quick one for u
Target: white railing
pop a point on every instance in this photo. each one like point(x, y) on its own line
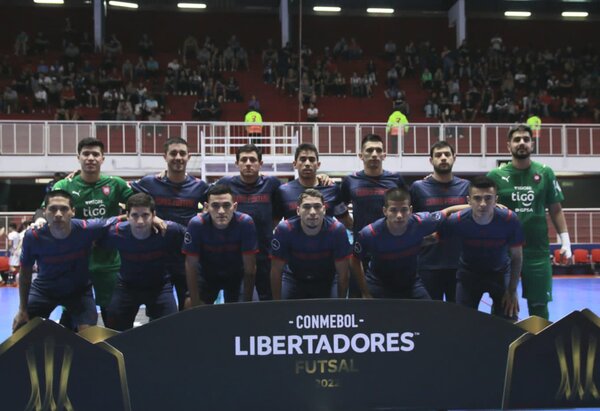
point(56, 138)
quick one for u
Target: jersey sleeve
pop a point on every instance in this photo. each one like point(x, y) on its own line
point(249, 240)
point(192, 238)
point(97, 228)
point(342, 248)
point(345, 190)
point(339, 207)
point(138, 186)
point(362, 244)
point(517, 236)
point(280, 244)
point(430, 222)
point(28, 257)
point(125, 190)
point(554, 193)
point(175, 233)
point(448, 226)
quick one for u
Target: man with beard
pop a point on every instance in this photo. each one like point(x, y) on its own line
point(438, 262)
point(528, 188)
point(306, 162)
point(307, 252)
point(178, 196)
point(365, 189)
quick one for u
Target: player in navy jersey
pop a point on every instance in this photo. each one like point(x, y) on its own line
point(438, 262)
point(365, 189)
point(255, 196)
point(143, 277)
point(178, 197)
point(492, 251)
point(220, 247)
point(308, 251)
point(392, 244)
point(306, 161)
point(61, 248)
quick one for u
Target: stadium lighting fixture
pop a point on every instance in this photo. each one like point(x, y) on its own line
point(49, 1)
point(380, 10)
point(328, 9)
point(575, 14)
point(191, 5)
point(124, 4)
point(517, 14)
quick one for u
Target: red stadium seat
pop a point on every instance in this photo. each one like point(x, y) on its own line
point(581, 256)
point(557, 256)
point(596, 255)
point(4, 267)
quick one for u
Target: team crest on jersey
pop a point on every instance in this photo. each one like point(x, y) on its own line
point(537, 178)
point(187, 238)
point(357, 248)
point(275, 245)
point(106, 190)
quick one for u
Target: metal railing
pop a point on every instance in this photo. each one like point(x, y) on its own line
point(470, 139)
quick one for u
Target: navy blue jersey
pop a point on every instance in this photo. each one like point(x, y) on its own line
point(220, 251)
point(257, 201)
point(310, 257)
point(366, 195)
point(177, 202)
point(393, 259)
point(62, 263)
point(288, 193)
point(144, 262)
point(484, 247)
point(431, 195)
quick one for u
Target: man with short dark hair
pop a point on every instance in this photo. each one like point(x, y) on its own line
point(145, 254)
point(178, 197)
point(365, 189)
point(306, 162)
point(528, 188)
point(438, 262)
point(255, 195)
point(61, 250)
point(492, 253)
point(392, 245)
point(96, 195)
point(308, 251)
point(220, 247)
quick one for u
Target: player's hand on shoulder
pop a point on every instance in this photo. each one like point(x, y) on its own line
point(324, 180)
point(159, 225)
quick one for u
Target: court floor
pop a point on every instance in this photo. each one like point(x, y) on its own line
point(570, 293)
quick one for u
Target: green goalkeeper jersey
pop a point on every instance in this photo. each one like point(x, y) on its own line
point(529, 192)
point(98, 200)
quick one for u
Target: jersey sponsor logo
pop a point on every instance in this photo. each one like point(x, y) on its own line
point(187, 238)
point(175, 202)
point(253, 198)
point(357, 248)
point(77, 193)
point(106, 190)
point(438, 201)
point(505, 178)
point(94, 212)
point(275, 244)
point(368, 192)
point(524, 196)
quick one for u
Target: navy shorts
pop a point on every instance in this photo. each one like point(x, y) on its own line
point(81, 305)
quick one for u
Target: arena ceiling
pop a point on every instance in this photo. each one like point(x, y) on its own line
point(473, 7)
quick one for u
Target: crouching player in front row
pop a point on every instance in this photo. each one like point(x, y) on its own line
point(492, 252)
point(61, 249)
point(145, 256)
point(307, 251)
point(392, 244)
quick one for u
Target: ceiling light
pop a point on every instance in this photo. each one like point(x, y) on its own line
point(49, 1)
point(125, 4)
point(575, 14)
point(517, 14)
point(328, 9)
point(191, 5)
point(380, 10)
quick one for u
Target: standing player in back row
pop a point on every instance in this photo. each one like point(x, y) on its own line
point(528, 187)
point(255, 196)
point(96, 195)
point(306, 162)
point(365, 189)
point(178, 197)
point(438, 262)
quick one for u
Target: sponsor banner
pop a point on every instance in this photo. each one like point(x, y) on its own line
point(318, 354)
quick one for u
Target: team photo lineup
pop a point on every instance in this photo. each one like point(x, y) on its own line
point(256, 239)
